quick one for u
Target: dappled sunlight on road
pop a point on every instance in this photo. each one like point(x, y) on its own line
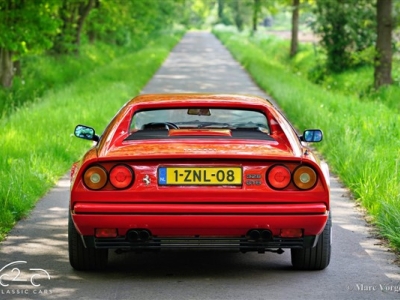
point(191, 69)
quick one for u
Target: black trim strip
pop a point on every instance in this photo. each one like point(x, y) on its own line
point(247, 134)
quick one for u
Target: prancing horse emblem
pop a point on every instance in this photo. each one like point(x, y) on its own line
point(146, 180)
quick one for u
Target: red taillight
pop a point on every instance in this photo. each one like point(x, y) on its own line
point(106, 232)
point(291, 232)
point(95, 177)
point(304, 177)
point(278, 177)
point(121, 176)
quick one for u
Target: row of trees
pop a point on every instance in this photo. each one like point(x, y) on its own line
point(346, 27)
point(58, 26)
point(352, 26)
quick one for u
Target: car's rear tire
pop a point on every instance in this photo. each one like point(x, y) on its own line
point(318, 257)
point(81, 258)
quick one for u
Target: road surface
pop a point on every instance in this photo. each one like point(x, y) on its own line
point(34, 258)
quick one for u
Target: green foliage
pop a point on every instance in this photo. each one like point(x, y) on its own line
point(33, 27)
point(27, 172)
point(39, 74)
point(248, 13)
point(73, 14)
point(27, 26)
point(362, 138)
point(119, 21)
point(309, 63)
point(344, 27)
point(197, 14)
point(113, 21)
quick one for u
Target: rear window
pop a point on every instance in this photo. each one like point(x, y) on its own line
point(186, 118)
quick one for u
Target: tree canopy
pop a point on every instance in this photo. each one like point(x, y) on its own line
point(26, 27)
point(59, 26)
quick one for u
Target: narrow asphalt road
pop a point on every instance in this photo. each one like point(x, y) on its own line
point(34, 258)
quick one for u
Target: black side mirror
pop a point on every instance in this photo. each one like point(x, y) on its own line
point(312, 136)
point(86, 133)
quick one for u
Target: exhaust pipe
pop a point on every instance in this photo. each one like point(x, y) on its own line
point(138, 235)
point(145, 235)
point(132, 236)
point(257, 235)
point(266, 235)
point(254, 234)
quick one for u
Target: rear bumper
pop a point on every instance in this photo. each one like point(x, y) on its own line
point(193, 208)
point(200, 225)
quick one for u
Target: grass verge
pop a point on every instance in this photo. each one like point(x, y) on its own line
point(36, 143)
point(362, 138)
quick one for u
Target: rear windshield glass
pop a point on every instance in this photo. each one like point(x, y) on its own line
point(187, 118)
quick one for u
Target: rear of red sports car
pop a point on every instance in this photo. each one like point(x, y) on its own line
point(198, 171)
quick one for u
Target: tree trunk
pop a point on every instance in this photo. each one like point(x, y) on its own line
point(295, 28)
point(220, 10)
point(17, 68)
point(91, 33)
point(60, 43)
point(84, 10)
point(238, 14)
point(6, 68)
point(256, 11)
point(383, 56)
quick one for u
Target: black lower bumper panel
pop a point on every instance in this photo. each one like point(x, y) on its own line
point(243, 244)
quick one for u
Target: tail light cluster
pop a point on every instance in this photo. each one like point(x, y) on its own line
point(120, 177)
point(280, 176)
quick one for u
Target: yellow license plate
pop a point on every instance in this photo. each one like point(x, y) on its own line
point(200, 176)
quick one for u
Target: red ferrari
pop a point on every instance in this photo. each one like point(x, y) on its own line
point(199, 171)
